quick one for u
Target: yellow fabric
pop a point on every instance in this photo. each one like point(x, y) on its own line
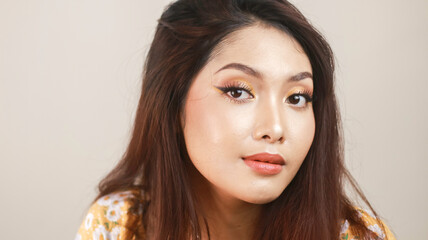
point(110, 218)
point(371, 222)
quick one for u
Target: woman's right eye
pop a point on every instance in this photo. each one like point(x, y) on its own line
point(237, 94)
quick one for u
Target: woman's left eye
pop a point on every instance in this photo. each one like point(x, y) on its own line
point(299, 100)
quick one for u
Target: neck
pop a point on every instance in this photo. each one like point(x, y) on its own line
point(226, 216)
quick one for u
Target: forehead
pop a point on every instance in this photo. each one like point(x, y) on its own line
point(264, 47)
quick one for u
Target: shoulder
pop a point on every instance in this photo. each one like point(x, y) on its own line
point(371, 222)
point(113, 216)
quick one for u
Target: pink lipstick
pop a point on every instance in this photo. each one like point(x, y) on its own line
point(265, 163)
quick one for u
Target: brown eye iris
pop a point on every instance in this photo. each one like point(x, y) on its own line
point(295, 99)
point(236, 93)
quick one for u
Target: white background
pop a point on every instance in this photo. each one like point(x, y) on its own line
point(69, 83)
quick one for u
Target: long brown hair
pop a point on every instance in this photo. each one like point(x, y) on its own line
point(311, 207)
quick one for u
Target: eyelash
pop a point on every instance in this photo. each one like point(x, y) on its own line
point(234, 87)
point(306, 94)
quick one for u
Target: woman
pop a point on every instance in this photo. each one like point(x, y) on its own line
point(237, 134)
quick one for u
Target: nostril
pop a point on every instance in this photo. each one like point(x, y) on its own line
point(267, 137)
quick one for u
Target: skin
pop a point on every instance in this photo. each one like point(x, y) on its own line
point(220, 128)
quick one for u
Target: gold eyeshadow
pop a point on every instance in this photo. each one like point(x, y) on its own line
point(299, 90)
point(237, 84)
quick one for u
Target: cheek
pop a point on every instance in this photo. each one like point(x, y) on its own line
point(212, 127)
point(301, 134)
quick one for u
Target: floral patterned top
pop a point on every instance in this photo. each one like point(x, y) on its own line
point(113, 217)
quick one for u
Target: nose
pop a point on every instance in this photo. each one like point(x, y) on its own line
point(269, 125)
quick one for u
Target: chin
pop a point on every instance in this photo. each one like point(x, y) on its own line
point(262, 198)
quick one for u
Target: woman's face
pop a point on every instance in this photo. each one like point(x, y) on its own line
point(248, 121)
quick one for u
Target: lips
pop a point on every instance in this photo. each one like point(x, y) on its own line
point(266, 157)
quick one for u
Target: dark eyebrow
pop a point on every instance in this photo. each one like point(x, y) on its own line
point(241, 67)
point(250, 71)
point(301, 76)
